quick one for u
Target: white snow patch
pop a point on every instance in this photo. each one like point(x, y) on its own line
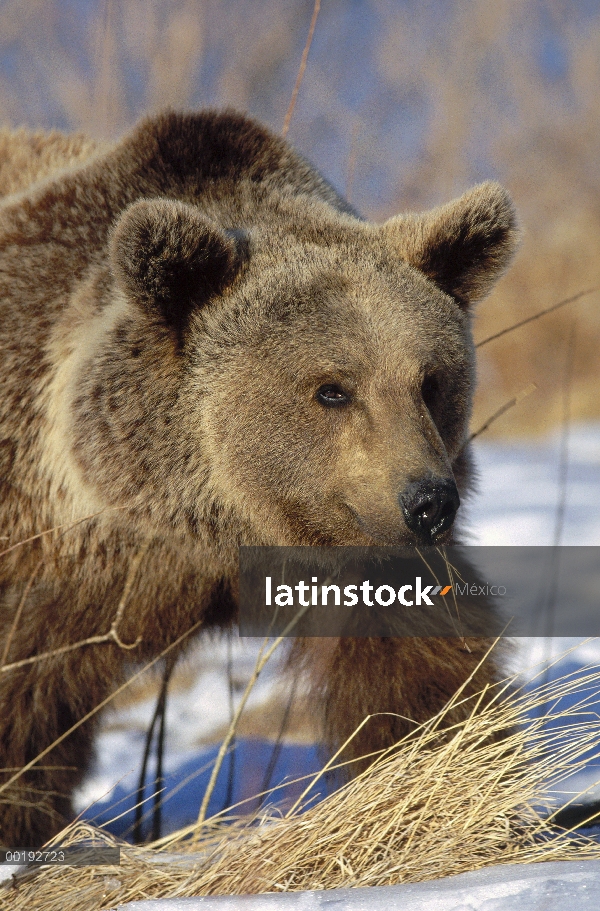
point(527, 887)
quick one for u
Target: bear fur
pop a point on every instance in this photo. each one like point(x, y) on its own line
point(171, 308)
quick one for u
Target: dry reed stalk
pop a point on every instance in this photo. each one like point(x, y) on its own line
point(17, 617)
point(536, 316)
point(66, 526)
point(33, 762)
point(502, 410)
point(111, 636)
point(311, 30)
point(261, 660)
point(438, 804)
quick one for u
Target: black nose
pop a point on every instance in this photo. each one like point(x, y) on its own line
point(429, 507)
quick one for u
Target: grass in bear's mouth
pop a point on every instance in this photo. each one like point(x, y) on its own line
point(432, 807)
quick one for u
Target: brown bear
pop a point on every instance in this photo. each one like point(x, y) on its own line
point(202, 345)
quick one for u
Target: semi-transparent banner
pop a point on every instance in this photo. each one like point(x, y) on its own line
point(446, 591)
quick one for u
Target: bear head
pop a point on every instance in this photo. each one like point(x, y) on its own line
point(275, 367)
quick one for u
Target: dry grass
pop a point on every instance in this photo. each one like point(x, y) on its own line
point(435, 806)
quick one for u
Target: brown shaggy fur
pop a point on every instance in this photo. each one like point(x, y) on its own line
point(168, 308)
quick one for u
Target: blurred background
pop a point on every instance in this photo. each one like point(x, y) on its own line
point(403, 105)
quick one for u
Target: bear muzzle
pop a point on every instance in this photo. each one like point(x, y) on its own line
point(429, 506)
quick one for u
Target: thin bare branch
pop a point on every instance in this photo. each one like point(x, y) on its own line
point(564, 442)
point(506, 407)
point(17, 617)
point(66, 526)
point(301, 69)
point(33, 762)
point(111, 636)
point(261, 660)
point(531, 319)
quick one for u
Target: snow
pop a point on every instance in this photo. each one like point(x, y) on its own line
point(519, 488)
point(196, 717)
point(548, 886)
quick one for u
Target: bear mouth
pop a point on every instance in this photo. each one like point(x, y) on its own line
point(381, 534)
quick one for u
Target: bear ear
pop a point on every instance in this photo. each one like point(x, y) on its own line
point(169, 258)
point(463, 246)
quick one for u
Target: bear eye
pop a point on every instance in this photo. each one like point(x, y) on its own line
point(331, 395)
point(430, 388)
